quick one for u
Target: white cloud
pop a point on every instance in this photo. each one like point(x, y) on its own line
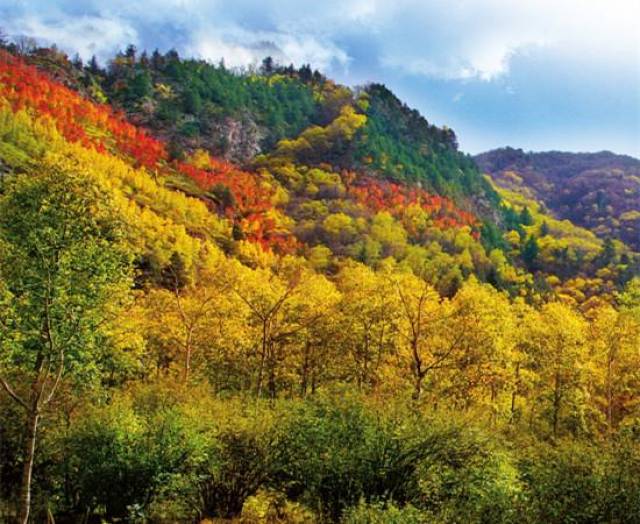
point(463, 39)
point(240, 48)
point(450, 39)
point(85, 35)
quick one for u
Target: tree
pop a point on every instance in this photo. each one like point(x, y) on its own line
point(267, 66)
point(544, 229)
point(630, 299)
point(558, 342)
point(524, 317)
point(284, 305)
point(525, 217)
point(77, 61)
point(530, 252)
point(367, 322)
point(485, 352)
point(93, 66)
point(192, 102)
point(614, 337)
point(130, 53)
point(192, 313)
point(25, 44)
point(608, 253)
point(63, 275)
point(420, 316)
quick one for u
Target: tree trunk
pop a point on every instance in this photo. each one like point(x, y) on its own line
point(514, 394)
point(418, 372)
point(305, 370)
point(188, 351)
point(29, 453)
point(493, 411)
point(610, 393)
point(417, 393)
point(263, 357)
point(271, 361)
point(556, 404)
point(187, 366)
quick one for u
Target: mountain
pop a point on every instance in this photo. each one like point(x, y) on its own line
point(281, 125)
point(260, 296)
point(598, 191)
point(309, 153)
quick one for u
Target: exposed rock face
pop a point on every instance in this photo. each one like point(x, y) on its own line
point(238, 139)
point(235, 139)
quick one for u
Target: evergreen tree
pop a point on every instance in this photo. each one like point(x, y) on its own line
point(530, 252)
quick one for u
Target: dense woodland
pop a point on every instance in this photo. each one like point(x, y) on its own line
point(599, 191)
point(259, 296)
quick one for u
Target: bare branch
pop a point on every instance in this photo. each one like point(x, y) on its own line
point(13, 394)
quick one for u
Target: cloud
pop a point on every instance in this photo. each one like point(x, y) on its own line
point(472, 39)
point(238, 47)
point(85, 35)
point(205, 29)
point(448, 39)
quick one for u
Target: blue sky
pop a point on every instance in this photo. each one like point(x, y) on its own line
point(536, 74)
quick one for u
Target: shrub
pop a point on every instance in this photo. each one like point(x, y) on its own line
point(134, 456)
point(336, 453)
point(380, 514)
point(581, 482)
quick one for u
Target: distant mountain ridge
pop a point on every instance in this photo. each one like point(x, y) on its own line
point(599, 191)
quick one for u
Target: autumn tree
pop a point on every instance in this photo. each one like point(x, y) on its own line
point(283, 304)
point(366, 322)
point(524, 317)
point(615, 342)
point(190, 311)
point(558, 342)
point(484, 354)
point(63, 275)
point(311, 352)
point(420, 316)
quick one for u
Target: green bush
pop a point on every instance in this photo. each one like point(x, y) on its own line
point(271, 507)
point(135, 455)
point(242, 464)
point(380, 514)
point(163, 453)
point(336, 453)
point(582, 482)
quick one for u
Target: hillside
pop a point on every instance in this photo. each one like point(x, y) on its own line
point(259, 296)
point(598, 191)
point(302, 139)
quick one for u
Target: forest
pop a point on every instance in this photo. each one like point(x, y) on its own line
point(258, 296)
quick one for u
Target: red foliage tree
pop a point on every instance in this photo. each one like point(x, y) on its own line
point(76, 118)
point(379, 195)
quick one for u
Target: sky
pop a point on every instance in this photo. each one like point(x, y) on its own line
point(535, 74)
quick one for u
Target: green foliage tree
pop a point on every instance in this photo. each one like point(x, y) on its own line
point(530, 252)
point(63, 276)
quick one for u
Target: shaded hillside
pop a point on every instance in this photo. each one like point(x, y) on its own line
point(399, 142)
point(599, 191)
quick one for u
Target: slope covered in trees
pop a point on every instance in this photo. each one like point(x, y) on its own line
point(342, 329)
point(599, 191)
